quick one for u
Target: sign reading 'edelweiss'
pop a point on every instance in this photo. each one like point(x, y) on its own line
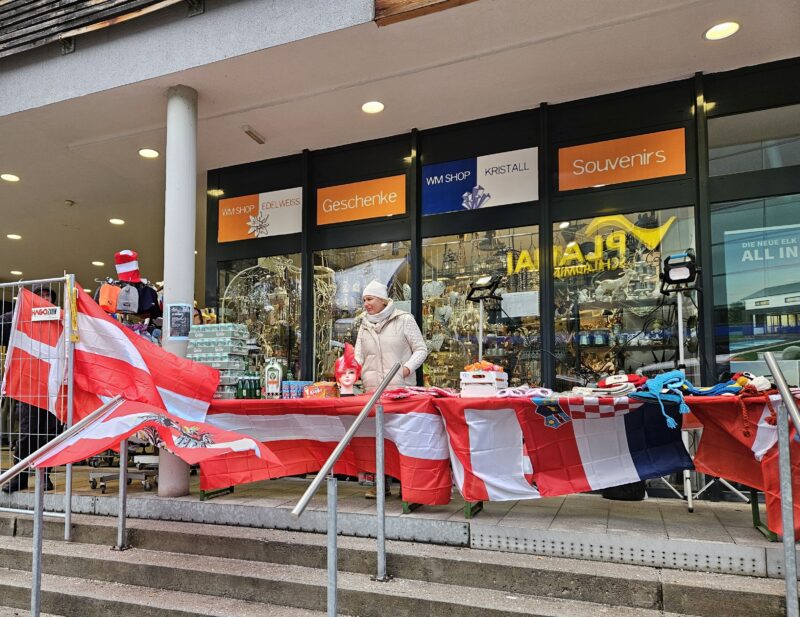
point(361, 200)
point(641, 157)
point(257, 216)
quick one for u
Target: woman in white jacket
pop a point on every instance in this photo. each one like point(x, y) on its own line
point(387, 335)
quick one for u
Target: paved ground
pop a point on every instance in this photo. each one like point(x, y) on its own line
point(655, 519)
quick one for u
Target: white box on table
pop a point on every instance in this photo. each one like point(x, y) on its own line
point(478, 384)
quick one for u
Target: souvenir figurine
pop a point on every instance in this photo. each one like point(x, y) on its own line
point(347, 371)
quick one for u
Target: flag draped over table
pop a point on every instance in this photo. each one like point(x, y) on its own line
point(565, 445)
point(193, 442)
point(109, 360)
point(303, 432)
point(739, 443)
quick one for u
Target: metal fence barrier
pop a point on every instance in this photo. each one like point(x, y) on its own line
point(28, 424)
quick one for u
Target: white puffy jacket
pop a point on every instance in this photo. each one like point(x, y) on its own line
point(395, 339)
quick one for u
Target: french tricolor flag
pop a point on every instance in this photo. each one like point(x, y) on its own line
point(559, 446)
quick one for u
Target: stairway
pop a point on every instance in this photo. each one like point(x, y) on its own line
point(188, 569)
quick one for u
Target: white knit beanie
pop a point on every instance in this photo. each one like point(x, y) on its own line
point(374, 288)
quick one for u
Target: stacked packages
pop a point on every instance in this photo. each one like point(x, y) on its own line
point(223, 347)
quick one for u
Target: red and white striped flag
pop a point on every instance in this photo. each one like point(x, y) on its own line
point(111, 360)
point(193, 442)
point(36, 365)
point(303, 435)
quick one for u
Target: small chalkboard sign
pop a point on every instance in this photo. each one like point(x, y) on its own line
point(179, 320)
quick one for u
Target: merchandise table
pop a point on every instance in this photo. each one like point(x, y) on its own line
point(499, 448)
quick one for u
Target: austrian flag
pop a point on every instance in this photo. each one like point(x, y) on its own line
point(109, 360)
point(193, 442)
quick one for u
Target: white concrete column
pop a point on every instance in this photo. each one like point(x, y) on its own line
point(179, 230)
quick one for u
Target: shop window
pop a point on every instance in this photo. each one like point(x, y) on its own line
point(756, 258)
point(610, 315)
point(265, 295)
point(450, 323)
point(340, 275)
point(754, 141)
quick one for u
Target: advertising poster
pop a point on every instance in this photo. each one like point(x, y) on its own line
point(275, 213)
point(361, 200)
point(178, 321)
point(482, 182)
point(762, 262)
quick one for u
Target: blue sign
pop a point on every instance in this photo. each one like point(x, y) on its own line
point(444, 185)
point(482, 182)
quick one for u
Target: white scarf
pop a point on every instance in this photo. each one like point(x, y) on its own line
point(383, 315)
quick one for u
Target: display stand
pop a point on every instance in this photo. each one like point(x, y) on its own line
point(678, 276)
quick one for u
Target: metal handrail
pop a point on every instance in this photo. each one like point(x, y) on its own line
point(786, 411)
point(337, 452)
point(783, 388)
point(17, 469)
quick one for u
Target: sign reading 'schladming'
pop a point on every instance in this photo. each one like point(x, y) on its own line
point(482, 182)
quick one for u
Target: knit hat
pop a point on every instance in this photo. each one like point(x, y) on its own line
point(127, 264)
point(374, 288)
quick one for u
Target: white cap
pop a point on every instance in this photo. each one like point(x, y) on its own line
point(374, 288)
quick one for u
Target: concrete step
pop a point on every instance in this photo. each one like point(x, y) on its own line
point(79, 597)
point(511, 573)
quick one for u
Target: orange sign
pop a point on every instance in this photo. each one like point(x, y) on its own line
point(641, 157)
point(234, 213)
point(361, 200)
point(259, 216)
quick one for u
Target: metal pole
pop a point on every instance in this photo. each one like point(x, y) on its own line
point(380, 486)
point(122, 538)
point(783, 388)
point(38, 524)
point(687, 475)
point(337, 452)
point(70, 345)
point(332, 555)
point(787, 505)
point(480, 330)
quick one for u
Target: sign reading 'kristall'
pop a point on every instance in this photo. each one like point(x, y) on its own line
point(257, 216)
point(482, 182)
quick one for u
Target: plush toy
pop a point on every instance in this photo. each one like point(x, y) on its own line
point(347, 370)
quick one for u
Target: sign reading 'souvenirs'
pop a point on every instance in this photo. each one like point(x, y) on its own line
point(628, 159)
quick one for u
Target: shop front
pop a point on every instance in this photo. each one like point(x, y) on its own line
point(574, 207)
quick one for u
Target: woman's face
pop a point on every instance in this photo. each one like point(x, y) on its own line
point(374, 305)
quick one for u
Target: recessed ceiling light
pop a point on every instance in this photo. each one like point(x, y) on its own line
point(215, 192)
point(88, 291)
point(721, 31)
point(16, 272)
point(372, 107)
point(563, 225)
point(98, 263)
point(9, 177)
point(195, 252)
point(116, 221)
point(148, 153)
point(13, 236)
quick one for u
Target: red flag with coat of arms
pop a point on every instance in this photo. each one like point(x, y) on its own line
point(193, 442)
